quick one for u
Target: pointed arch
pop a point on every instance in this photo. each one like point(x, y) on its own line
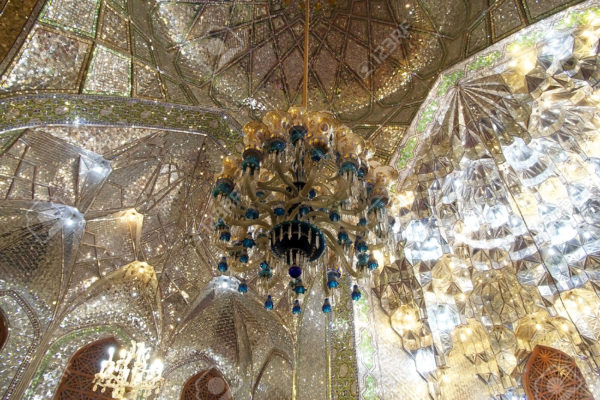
point(76, 382)
point(208, 384)
point(552, 374)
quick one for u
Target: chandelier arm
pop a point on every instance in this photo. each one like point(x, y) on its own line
point(271, 188)
point(309, 183)
point(345, 225)
point(294, 213)
point(246, 224)
point(286, 180)
point(252, 194)
point(272, 181)
point(355, 211)
point(292, 201)
point(316, 203)
point(317, 216)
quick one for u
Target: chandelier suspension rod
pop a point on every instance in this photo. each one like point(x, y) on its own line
point(305, 78)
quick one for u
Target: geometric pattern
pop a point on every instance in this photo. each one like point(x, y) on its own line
point(247, 57)
point(550, 374)
point(498, 211)
point(76, 383)
point(206, 385)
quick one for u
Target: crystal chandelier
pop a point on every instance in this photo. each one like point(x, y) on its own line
point(304, 197)
point(129, 376)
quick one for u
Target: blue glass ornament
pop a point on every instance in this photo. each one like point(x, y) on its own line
point(295, 271)
point(312, 194)
point(296, 309)
point(372, 263)
point(243, 286)
point(317, 154)
point(248, 243)
point(225, 236)
point(361, 246)
point(326, 306)
point(265, 270)
point(279, 211)
point(334, 216)
point(220, 224)
point(244, 257)
point(356, 294)
point(300, 289)
point(343, 237)
point(269, 303)
point(304, 210)
point(362, 222)
point(361, 260)
point(222, 267)
point(251, 213)
point(333, 284)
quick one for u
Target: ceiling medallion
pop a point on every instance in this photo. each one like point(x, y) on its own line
point(304, 198)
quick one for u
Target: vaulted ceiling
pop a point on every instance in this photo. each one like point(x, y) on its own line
point(372, 62)
point(125, 209)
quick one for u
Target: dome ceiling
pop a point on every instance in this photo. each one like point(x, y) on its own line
point(372, 62)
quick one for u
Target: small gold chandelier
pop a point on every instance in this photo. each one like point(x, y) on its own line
point(129, 376)
point(305, 196)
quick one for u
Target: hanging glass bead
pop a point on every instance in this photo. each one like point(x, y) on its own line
point(299, 287)
point(296, 309)
point(265, 270)
point(326, 306)
point(334, 216)
point(356, 294)
point(333, 274)
point(372, 262)
point(248, 242)
point(243, 286)
point(295, 271)
point(269, 303)
point(279, 211)
point(222, 266)
point(361, 245)
point(252, 213)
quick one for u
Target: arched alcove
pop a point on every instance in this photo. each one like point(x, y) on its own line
point(76, 382)
point(552, 374)
point(206, 385)
point(3, 329)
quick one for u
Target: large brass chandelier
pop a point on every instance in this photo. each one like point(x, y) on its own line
point(305, 198)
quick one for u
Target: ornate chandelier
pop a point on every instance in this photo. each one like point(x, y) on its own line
point(304, 197)
point(129, 376)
